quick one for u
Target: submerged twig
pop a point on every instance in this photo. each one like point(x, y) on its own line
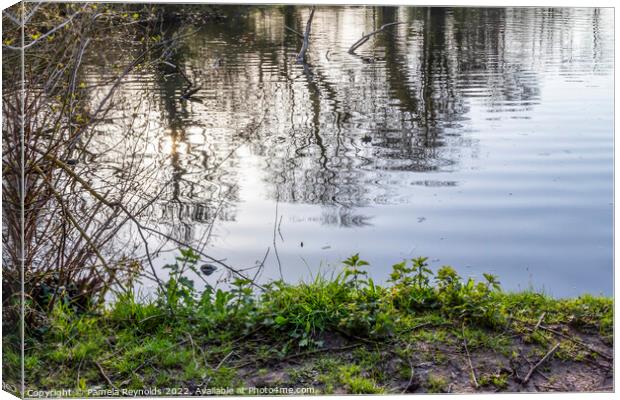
point(261, 265)
point(275, 246)
point(301, 57)
point(190, 90)
point(279, 231)
point(299, 35)
point(365, 38)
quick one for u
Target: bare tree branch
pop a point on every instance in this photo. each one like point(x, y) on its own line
point(301, 57)
point(365, 38)
point(32, 12)
point(50, 32)
point(299, 35)
point(12, 18)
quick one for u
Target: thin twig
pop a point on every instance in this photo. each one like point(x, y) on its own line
point(540, 320)
point(365, 38)
point(40, 38)
point(150, 317)
point(261, 265)
point(105, 376)
point(422, 325)
point(180, 71)
point(32, 12)
point(222, 361)
point(543, 375)
point(201, 253)
point(471, 366)
point(13, 18)
point(141, 227)
point(73, 221)
point(78, 373)
point(275, 246)
point(279, 231)
point(576, 341)
point(191, 342)
point(411, 375)
point(295, 32)
point(539, 363)
point(579, 342)
point(556, 388)
point(247, 335)
point(301, 57)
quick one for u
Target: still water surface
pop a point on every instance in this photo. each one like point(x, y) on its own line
point(480, 138)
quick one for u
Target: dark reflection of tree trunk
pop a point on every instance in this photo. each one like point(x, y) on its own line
point(434, 83)
point(315, 99)
point(398, 78)
point(290, 20)
point(332, 96)
point(433, 37)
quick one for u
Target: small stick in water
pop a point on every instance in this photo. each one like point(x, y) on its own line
point(301, 57)
point(365, 38)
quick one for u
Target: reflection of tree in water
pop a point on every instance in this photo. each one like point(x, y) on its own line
point(485, 59)
point(336, 131)
point(347, 158)
point(331, 141)
point(201, 189)
point(414, 124)
point(428, 99)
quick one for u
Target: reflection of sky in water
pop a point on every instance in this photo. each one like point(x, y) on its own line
point(479, 138)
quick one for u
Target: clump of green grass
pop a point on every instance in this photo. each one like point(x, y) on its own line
point(498, 380)
point(305, 310)
point(352, 377)
point(436, 384)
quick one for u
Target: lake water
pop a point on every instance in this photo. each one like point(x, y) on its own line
point(480, 138)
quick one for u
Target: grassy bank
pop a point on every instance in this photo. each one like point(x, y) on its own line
point(422, 332)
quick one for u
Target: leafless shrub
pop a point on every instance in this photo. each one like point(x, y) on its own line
point(70, 212)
